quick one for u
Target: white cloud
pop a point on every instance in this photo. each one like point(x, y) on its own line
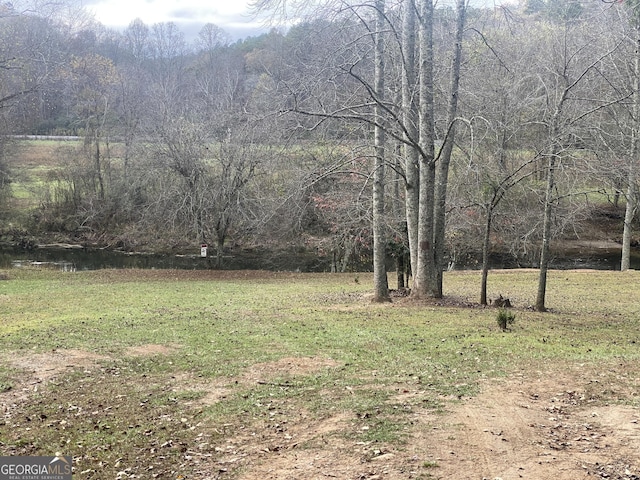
point(190, 15)
point(232, 16)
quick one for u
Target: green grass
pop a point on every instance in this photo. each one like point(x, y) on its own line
point(376, 363)
point(31, 164)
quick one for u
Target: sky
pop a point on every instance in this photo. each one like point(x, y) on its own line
point(233, 16)
point(189, 15)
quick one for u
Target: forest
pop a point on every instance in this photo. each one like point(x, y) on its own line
point(387, 129)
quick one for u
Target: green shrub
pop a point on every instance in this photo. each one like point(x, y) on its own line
point(505, 317)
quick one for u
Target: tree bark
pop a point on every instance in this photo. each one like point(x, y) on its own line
point(485, 255)
point(219, 251)
point(424, 278)
point(546, 234)
point(381, 285)
point(400, 270)
point(410, 120)
point(632, 200)
point(629, 214)
point(554, 155)
point(444, 159)
point(98, 166)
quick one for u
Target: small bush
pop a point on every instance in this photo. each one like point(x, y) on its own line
point(505, 317)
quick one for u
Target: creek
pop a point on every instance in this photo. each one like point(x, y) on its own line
point(74, 258)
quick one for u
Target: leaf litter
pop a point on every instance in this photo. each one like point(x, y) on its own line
point(567, 425)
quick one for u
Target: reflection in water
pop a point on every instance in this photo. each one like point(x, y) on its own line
point(63, 266)
point(70, 259)
point(596, 259)
point(75, 259)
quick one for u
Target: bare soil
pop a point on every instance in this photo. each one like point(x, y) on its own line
point(540, 426)
point(565, 424)
point(536, 427)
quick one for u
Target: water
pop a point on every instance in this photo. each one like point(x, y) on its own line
point(596, 259)
point(78, 259)
point(72, 259)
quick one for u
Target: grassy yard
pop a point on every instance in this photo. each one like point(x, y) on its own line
point(154, 374)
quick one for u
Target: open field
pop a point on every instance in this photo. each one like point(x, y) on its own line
point(37, 164)
point(33, 162)
point(257, 375)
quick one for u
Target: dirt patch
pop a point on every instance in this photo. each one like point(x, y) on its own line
point(565, 425)
point(549, 426)
point(277, 372)
point(286, 367)
point(37, 369)
point(150, 350)
point(40, 368)
point(44, 366)
point(292, 448)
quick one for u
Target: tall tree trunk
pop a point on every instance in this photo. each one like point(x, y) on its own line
point(410, 121)
point(221, 229)
point(346, 257)
point(444, 159)
point(546, 234)
point(629, 214)
point(555, 149)
point(485, 254)
point(554, 155)
point(424, 278)
point(632, 200)
point(97, 161)
point(400, 269)
point(381, 285)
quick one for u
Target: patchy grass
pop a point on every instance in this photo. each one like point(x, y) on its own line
point(34, 164)
point(160, 373)
point(31, 164)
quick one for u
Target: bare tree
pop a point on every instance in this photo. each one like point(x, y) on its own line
point(424, 281)
point(410, 121)
point(93, 79)
point(444, 156)
point(30, 52)
point(434, 165)
point(632, 193)
point(569, 103)
point(212, 37)
point(381, 287)
point(364, 100)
